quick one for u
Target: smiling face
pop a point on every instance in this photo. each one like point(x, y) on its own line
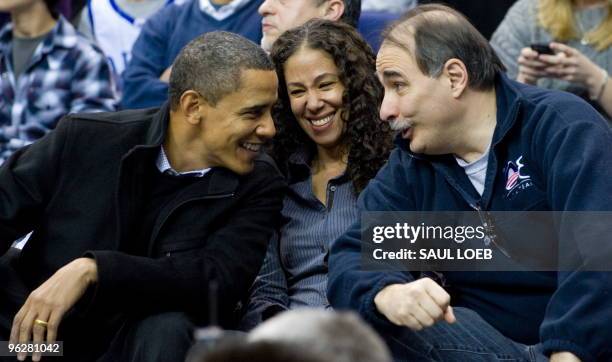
point(282, 15)
point(415, 104)
point(315, 93)
point(235, 129)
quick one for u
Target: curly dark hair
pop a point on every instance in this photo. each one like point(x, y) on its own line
point(368, 139)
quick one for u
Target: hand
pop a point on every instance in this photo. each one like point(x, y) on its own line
point(50, 301)
point(531, 68)
point(416, 305)
point(571, 65)
point(564, 357)
point(165, 77)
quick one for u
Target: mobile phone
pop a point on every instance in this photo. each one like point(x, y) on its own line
point(542, 48)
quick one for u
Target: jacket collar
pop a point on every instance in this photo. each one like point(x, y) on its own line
point(158, 127)
point(222, 180)
point(153, 138)
point(509, 100)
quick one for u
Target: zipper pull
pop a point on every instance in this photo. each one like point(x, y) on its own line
point(490, 233)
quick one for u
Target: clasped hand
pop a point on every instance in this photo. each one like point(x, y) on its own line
point(416, 305)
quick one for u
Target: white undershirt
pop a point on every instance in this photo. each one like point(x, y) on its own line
point(476, 171)
point(224, 11)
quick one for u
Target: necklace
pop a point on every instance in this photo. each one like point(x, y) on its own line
point(583, 31)
point(588, 11)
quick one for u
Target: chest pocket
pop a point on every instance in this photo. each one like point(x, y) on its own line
point(526, 230)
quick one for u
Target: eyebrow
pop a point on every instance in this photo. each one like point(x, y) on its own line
point(391, 74)
point(253, 109)
point(316, 80)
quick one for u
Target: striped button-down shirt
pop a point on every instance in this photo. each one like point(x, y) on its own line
point(164, 166)
point(294, 273)
point(66, 74)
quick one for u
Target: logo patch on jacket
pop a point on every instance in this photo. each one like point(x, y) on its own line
point(516, 179)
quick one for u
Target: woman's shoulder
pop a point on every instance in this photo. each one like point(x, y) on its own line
point(523, 11)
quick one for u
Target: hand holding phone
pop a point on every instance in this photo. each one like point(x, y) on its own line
point(530, 66)
point(542, 48)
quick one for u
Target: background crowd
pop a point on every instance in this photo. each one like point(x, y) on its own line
point(125, 48)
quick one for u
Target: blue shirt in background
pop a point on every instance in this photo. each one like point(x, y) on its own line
point(165, 34)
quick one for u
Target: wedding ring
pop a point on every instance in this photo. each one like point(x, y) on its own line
point(41, 323)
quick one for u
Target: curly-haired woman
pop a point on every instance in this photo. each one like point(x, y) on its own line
point(577, 32)
point(330, 143)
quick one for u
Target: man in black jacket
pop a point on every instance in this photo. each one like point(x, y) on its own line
point(144, 219)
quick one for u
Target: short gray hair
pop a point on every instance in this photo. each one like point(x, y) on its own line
point(441, 33)
point(212, 64)
point(342, 335)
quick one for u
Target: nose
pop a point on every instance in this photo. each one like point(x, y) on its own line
point(314, 102)
point(266, 129)
point(265, 8)
point(389, 109)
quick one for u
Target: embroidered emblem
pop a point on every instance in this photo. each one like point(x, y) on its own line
point(517, 179)
point(513, 174)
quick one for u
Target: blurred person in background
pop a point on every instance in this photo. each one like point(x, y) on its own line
point(394, 6)
point(47, 71)
point(237, 351)
point(342, 337)
point(114, 26)
point(145, 79)
point(579, 34)
point(303, 335)
point(280, 16)
point(4, 18)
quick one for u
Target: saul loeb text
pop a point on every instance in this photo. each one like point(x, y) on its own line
point(434, 254)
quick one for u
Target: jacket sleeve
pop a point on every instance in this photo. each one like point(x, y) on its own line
point(577, 166)
point(27, 182)
point(349, 285)
point(269, 291)
point(230, 259)
point(141, 85)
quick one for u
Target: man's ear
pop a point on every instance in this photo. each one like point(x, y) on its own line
point(193, 106)
point(457, 75)
point(333, 10)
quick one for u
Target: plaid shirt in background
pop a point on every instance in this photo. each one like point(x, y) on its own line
point(66, 74)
